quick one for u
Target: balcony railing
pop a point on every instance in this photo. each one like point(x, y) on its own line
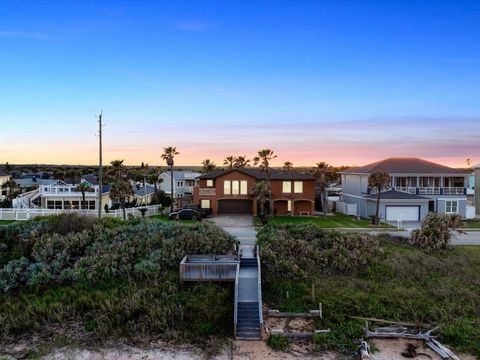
point(453, 191)
point(429, 190)
point(407, 189)
point(207, 191)
point(65, 190)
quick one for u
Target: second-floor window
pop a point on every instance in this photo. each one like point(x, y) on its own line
point(179, 183)
point(298, 187)
point(209, 183)
point(286, 187)
point(235, 187)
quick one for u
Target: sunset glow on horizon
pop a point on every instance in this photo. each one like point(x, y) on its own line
point(342, 82)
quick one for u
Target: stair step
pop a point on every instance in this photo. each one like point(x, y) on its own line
point(241, 338)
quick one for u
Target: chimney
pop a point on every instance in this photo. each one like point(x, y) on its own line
point(476, 184)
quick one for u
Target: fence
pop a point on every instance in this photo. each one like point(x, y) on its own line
point(26, 214)
point(349, 209)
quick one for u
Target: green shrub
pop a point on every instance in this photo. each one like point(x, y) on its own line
point(436, 231)
point(278, 342)
point(296, 250)
point(14, 274)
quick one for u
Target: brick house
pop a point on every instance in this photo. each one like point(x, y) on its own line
point(229, 191)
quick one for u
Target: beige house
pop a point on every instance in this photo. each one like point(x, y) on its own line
point(4, 177)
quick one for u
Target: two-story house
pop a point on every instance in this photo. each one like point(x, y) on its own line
point(230, 191)
point(183, 184)
point(416, 187)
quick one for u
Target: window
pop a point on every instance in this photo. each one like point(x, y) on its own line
point(226, 187)
point(289, 205)
point(451, 206)
point(205, 204)
point(235, 187)
point(209, 183)
point(298, 187)
point(287, 187)
point(179, 183)
point(243, 187)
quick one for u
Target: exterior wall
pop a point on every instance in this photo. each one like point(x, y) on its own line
point(3, 180)
point(462, 205)
point(279, 198)
point(477, 190)
point(354, 184)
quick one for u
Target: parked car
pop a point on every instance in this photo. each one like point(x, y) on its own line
point(185, 214)
point(204, 212)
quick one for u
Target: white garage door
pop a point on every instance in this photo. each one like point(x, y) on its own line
point(404, 213)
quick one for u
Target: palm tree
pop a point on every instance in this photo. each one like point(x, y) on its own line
point(240, 162)
point(262, 192)
point(229, 162)
point(263, 160)
point(378, 180)
point(287, 166)
point(168, 155)
point(83, 188)
point(117, 169)
point(121, 190)
point(10, 186)
point(207, 166)
point(325, 174)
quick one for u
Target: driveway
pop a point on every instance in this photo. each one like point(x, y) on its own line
point(240, 226)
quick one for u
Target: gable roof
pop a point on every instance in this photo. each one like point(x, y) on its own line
point(139, 190)
point(404, 166)
point(260, 175)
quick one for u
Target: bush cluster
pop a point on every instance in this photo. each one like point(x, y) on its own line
point(297, 250)
point(65, 248)
point(436, 231)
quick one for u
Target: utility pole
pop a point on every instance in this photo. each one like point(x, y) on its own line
point(100, 174)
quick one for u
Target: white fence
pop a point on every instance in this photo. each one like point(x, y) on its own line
point(349, 209)
point(26, 214)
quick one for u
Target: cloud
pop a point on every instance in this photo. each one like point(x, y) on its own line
point(23, 35)
point(195, 25)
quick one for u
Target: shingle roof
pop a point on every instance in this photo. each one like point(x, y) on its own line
point(397, 195)
point(260, 175)
point(404, 165)
point(139, 190)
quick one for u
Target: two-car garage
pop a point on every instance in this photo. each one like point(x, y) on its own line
point(403, 213)
point(235, 206)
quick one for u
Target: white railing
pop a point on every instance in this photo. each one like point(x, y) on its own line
point(429, 190)
point(26, 214)
point(453, 191)
point(407, 189)
point(65, 189)
point(27, 198)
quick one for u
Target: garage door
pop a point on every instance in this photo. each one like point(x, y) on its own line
point(234, 206)
point(404, 213)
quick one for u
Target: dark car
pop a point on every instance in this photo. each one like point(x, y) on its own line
point(204, 212)
point(185, 214)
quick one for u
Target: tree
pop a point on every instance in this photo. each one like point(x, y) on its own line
point(168, 155)
point(240, 162)
point(263, 159)
point(8, 167)
point(287, 166)
point(229, 162)
point(11, 186)
point(121, 191)
point(83, 188)
point(117, 170)
point(262, 192)
point(207, 166)
point(468, 162)
point(378, 180)
point(324, 174)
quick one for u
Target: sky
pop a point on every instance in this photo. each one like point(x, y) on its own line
point(346, 82)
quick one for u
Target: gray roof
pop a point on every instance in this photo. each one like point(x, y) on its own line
point(397, 195)
point(139, 190)
point(260, 175)
point(404, 166)
point(34, 182)
point(180, 175)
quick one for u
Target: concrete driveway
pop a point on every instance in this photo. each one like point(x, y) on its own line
point(240, 226)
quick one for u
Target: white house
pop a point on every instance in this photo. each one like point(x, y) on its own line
point(183, 182)
point(4, 177)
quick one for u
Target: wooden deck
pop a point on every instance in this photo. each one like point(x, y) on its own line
point(209, 268)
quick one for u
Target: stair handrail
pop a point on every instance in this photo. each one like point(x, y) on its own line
point(259, 284)
point(235, 302)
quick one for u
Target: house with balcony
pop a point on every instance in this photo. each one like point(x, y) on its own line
point(230, 191)
point(57, 194)
point(183, 184)
point(416, 188)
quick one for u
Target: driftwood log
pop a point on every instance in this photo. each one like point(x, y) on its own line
point(299, 334)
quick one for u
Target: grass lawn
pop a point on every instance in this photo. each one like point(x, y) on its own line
point(337, 220)
point(6, 222)
point(472, 224)
point(402, 284)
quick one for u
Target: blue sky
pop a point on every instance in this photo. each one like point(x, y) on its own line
point(346, 82)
